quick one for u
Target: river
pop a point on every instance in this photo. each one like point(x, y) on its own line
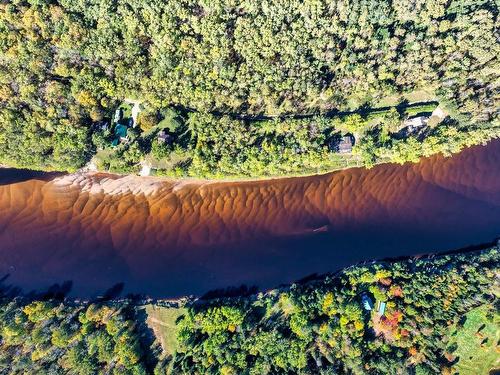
point(170, 238)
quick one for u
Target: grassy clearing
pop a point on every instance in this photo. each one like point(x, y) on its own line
point(423, 95)
point(477, 342)
point(420, 109)
point(162, 321)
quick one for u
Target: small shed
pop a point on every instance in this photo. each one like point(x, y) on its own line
point(367, 302)
point(118, 115)
point(380, 307)
point(345, 144)
point(136, 109)
point(102, 125)
point(145, 170)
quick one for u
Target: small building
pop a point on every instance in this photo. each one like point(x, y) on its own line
point(439, 113)
point(118, 115)
point(101, 125)
point(367, 302)
point(437, 116)
point(145, 170)
point(345, 144)
point(380, 307)
point(164, 137)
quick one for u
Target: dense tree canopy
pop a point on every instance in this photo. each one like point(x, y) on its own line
point(66, 64)
point(323, 327)
point(52, 337)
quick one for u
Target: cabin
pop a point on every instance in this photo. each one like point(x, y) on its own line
point(411, 126)
point(164, 137)
point(121, 132)
point(340, 144)
point(345, 144)
point(366, 302)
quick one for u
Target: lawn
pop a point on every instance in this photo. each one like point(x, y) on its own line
point(162, 321)
point(422, 95)
point(477, 342)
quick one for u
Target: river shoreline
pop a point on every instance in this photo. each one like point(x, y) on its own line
point(312, 279)
point(144, 299)
point(201, 180)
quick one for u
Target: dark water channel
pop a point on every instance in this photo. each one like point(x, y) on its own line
point(169, 238)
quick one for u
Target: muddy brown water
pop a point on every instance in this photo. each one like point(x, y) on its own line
point(171, 238)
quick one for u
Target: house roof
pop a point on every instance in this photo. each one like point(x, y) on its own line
point(416, 121)
point(346, 144)
point(381, 307)
point(163, 136)
point(121, 130)
point(118, 115)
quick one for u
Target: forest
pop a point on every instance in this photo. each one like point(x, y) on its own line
point(423, 315)
point(50, 336)
point(238, 75)
point(382, 318)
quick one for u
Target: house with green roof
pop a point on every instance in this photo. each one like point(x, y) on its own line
point(121, 134)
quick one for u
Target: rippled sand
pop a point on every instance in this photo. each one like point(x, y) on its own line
point(169, 238)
